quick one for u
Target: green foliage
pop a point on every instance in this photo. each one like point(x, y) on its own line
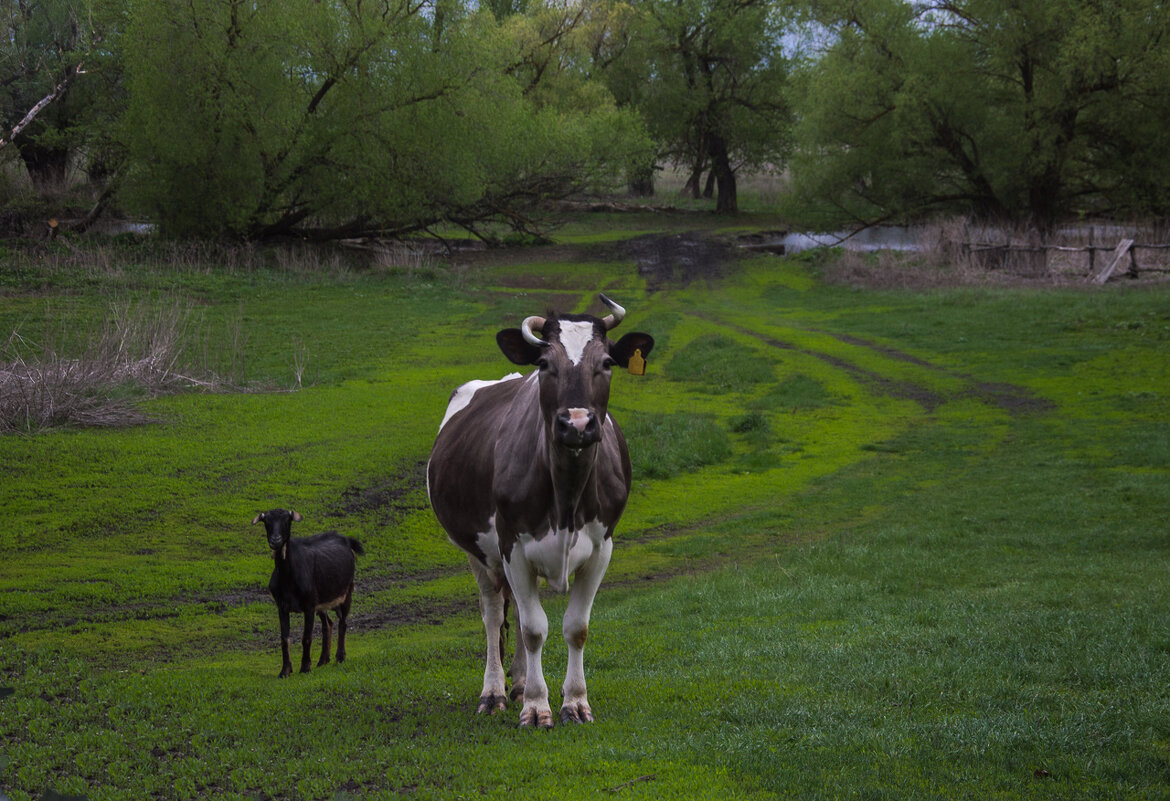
point(711, 80)
point(59, 63)
point(1024, 112)
point(313, 118)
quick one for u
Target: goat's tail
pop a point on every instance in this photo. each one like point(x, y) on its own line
point(355, 546)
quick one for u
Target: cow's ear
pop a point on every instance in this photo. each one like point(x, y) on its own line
point(517, 348)
point(624, 348)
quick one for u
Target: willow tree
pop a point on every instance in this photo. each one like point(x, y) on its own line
point(1024, 111)
point(346, 117)
point(58, 84)
point(711, 79)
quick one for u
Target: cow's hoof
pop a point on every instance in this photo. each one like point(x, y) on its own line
point(537, 718)
point(491, 704)
point(517, 691)
point(576, 713)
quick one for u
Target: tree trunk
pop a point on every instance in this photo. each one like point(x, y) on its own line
point(640, 180)
point(727, 201)
point(48, 167)
point(709, 189)
point(691, 187)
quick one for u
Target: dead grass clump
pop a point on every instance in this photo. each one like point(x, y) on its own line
point(895, 269)
point(401, 258)
point(140, 351)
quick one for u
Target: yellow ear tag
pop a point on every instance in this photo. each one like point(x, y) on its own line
point(637, 363)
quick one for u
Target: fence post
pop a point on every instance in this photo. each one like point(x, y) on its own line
point(1092, 250)
point(1123, 247)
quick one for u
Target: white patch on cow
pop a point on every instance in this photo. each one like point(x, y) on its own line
point(465, 393)
point(489, 544)
point(584, 554)
point(558, 554)
point(574, 338)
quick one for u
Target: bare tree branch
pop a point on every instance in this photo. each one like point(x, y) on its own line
point(58, 90)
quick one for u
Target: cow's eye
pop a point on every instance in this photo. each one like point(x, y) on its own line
point(542, 364)
point(607, 363)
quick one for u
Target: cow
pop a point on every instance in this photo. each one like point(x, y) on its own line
point(529, 475)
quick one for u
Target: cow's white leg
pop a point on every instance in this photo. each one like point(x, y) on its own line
point(586, 580)
point(491, 606)
point(533, 632)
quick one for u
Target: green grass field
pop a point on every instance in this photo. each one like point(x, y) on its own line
point(881, 544)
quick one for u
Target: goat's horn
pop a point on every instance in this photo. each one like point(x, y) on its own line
point(611, 320)
point(528, 329)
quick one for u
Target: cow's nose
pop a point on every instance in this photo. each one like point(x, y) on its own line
point(577, 427)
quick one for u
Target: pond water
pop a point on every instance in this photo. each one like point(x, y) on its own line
point(878, 237)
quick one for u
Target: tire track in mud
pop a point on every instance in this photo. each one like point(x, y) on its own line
point(1010, 398)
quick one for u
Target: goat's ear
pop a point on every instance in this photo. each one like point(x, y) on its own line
point(257, 518)
point(296, 517)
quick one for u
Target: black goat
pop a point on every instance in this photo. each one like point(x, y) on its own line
point(312, 575)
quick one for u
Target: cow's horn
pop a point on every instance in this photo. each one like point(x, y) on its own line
point(611, 320)
point(528, 329)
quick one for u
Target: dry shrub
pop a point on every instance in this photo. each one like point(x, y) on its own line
point(140, 351)
point(398, 257)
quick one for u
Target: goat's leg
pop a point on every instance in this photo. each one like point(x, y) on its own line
point(306, 641)
point(326, 638)
point(286, 666)
point(343, 623)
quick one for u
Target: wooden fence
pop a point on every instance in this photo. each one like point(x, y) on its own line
point(1046, 259)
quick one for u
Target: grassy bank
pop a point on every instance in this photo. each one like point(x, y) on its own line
point(881, 544)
